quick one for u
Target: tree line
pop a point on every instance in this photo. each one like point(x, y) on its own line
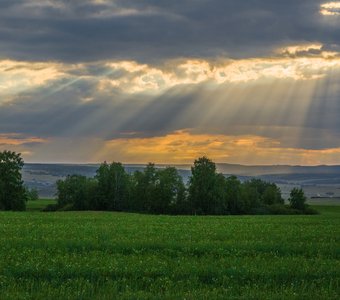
point(162, 191)
point(153, 190)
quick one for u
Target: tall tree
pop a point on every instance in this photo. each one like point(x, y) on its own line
point(250, 197)
point(12, 190)
point(233, 194)
point(77, 192)
point(169, 191)
point(272, 195)
point(144, 185)
point(297, 199)
point(112, 186)
point(205, 192)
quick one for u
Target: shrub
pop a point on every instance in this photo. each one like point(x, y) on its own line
point(281, 209)
point(32, 194)
point(51, 207)
point(310, 211)
point(297, 199)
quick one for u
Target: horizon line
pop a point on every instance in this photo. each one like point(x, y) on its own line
point(180, 164)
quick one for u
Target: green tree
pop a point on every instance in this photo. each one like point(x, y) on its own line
point(169, 192)
point(137, 189)
point(297, 199)
point(144, 187)
point(76, 192)
point(259, 185)
point(206, 187)
point(12, 190)
point(266, 193)
point(113, 186)
point(249, 197)
point(272, 195)
point(220, 194)
point(233, 194)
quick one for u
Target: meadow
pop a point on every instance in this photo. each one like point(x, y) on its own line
point(106, 255)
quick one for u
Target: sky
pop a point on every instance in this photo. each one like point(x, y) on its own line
point(253, 82)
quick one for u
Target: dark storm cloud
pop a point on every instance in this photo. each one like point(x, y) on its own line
point(152, 30)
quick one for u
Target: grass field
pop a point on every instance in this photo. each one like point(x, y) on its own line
point(103, 255)
point(38, 205)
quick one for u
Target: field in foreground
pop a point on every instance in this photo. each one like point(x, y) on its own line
point(103, 255)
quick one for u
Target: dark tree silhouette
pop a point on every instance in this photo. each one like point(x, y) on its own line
point(297, 199)
point(12, 190)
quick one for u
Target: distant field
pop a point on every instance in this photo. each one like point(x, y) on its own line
point(38, 205)
point(313, 190)
point(324, 201)
point(103, 255)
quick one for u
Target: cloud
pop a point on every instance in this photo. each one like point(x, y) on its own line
point(184, 147)
point(14, 139)
point(20, 143)
point(18, 76)
point(298, 62)
point(300, 113)
point(330, 8)
point(177, 147)
point(307, 50)
point(100, 74)
point(151, 31)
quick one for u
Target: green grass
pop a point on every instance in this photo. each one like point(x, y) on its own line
point(40, 204)
point(103, 255)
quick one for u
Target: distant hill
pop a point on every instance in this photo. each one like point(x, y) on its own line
point(315, 180)
point(276, 169)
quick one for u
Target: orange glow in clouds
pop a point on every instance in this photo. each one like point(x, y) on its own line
point(183, 147)
point(14, 139)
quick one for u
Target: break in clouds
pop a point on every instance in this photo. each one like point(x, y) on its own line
point(252, 82)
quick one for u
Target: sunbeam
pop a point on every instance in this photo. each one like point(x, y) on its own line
point(271, 100)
